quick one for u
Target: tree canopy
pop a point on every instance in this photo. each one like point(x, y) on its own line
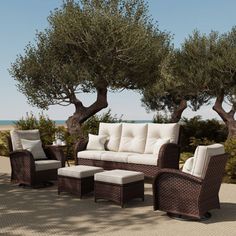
point(207, 73)
point(91, 46)
point(174, 92)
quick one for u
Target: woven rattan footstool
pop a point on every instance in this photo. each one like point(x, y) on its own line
point(119, 186)
point(78, 180)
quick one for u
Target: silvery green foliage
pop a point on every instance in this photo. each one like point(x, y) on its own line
point(91, 44)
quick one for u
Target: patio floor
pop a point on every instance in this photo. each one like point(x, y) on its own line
point(43, 212)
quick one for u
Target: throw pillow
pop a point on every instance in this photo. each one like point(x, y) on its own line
point(158, 144)
point(96, 142)
point(35, 147)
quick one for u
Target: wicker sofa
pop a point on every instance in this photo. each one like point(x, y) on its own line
point(131, 147)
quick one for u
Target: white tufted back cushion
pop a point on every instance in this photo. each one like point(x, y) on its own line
point(113, 133)
point(197, 165)
point(133, 138)
point(161, 131)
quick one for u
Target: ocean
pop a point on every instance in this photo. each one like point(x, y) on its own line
point(62, 122)
point(12, 122)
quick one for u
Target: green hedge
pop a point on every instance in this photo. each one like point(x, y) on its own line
point(4, 151)
point(196, 131)
point(230, 147)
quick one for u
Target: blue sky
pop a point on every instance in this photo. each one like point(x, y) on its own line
point(19, 20)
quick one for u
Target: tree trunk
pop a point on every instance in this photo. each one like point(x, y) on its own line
point(177, 113)
point(227, 117)
point(83, 113)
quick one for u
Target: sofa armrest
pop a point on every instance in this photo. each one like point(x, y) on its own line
point(80, 146)
point(174, 186)
point(169, 156)
point(55, 153)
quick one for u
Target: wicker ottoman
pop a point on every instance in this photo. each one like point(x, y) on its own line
point(119, 186)
point(78, 180)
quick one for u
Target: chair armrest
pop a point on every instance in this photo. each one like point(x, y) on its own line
point(169, 156)
point(175, 183)
point(22, 159)
point(55, 153)
point(177, 174)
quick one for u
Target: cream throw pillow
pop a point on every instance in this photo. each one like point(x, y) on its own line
point(35, 147)
point(96, 142)
point(158, 144)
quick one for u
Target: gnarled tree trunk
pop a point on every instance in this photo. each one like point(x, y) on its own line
point(83, 113)
point(227, 117)
point(177, 112)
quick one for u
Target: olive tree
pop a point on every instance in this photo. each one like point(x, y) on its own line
point(90, 46)
point(211, 68)
point(172, 93)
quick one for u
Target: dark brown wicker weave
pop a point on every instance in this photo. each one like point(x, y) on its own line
point(168, 158)
point(23, 166)
point(180, 193)
point(75, 186)
point(120, 194)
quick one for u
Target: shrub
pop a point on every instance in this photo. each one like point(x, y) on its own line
point(196, 131)
point(230, 147)
point(46, 126)
point(4, 151)
point(161, 118)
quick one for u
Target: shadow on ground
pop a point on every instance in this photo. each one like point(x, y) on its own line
point(43, 211)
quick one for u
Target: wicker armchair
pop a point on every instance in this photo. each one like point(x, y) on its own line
point(26, 170)
point(191, 195)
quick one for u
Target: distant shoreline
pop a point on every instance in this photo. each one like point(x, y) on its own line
point(11, 127)
point(9, 124)
point(6, 127)
point(12, 122)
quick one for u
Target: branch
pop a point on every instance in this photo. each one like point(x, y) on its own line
point(219, 108)
point(85, 113)
point(232, 111)
point(177, 113)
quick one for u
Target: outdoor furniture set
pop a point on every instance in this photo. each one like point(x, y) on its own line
point(115, 162)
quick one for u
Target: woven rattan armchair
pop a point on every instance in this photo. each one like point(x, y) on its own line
point(28, 171)
point(186, 195)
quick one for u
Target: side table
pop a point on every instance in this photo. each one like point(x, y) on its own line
point(63, 147)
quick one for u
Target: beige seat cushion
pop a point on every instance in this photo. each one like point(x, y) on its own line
point(113, 133)
point(47, 165)
point(198, 166)
point(79, 171)
point(119, 176)
point(161, 131)
point(115, 156)
point(144, 159)
point(90, 154)
point(96, 142)
point(133, 138)
point(35, 147)
point(17, 135)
